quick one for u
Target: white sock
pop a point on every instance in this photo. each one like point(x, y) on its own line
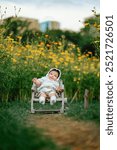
point(42, 100)
point(52, 100)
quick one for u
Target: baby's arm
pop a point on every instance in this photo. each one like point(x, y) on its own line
point(36, 81)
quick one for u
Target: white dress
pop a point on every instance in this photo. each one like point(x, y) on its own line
point(48, 86)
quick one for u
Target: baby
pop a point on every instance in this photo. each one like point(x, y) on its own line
point(48, 86)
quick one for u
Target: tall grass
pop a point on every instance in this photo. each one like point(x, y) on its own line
point(77, 111)
point(20, 63)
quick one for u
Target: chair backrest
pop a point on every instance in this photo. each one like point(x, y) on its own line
point(61, 84)
point(34, 87)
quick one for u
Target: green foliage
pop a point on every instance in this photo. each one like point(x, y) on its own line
point(55, 48)
point(70, 86)
point(14, 26)
point(88, 38)
point(5, 75)
point(16, 135)
point(91, 82)
point(30, 37)
point(77, 111)
point(90, 35)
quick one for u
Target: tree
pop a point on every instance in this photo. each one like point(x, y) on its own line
point(90, 36)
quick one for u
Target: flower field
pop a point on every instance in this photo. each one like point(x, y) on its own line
point(20, 63)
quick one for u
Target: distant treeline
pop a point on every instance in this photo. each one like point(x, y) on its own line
point(88, 38)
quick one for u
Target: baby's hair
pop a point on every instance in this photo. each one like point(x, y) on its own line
point(54, 69)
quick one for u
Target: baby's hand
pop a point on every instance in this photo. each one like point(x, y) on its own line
point(36, 81)
point(59, 89)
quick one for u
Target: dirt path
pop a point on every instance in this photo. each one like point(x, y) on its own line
point(68, 132)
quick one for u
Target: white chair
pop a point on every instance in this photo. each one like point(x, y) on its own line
point(61, 99)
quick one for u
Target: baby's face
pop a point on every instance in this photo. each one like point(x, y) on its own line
point(53, 75)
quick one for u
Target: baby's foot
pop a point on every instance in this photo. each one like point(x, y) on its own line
point(42, 100)
point(52, 102)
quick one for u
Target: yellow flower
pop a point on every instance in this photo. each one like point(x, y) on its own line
point(30, 56)
point(90, 53)
point(19, 37)
point(66, 64)
point(86, 24)
point(55, 43)
point(76, 67)
point(95, 24)
point(61, 59)
point(18, 54)
point(98, 74)
point(46, 35)
point(59, 43)
point(14, 60)
point(86, 55)
point(28, 46)
point(25, 62)
point(78, 50)
point(79, 58)
point(75, 79)
point(41, 48)
point(57, 63)
point(41, 44)
point(48, 45)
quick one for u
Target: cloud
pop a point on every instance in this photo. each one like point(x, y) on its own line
point(67, 12)
point(55, 2)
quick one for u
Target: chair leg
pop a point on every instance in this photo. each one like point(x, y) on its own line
point(61, 110)
point(32, 105)
point(32, 111)
point(62, 107)
point(32, 108)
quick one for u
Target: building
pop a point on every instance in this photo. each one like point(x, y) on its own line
point(49, 25)
point(33, 24)
point(23, 23)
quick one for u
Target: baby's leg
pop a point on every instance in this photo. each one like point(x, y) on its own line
point(52, 98)
point(42, 98)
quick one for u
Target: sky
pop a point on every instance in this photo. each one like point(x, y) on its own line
point(67, 12)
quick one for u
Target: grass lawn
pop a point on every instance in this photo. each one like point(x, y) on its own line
point(16, 135)
point(77, 111)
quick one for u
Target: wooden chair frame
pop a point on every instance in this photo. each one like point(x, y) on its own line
point(60, 99)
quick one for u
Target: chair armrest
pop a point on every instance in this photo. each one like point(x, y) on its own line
point(33, 88)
